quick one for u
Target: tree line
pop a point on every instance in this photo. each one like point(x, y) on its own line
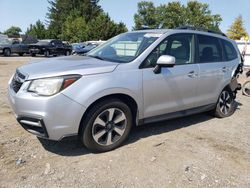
point(82, 20)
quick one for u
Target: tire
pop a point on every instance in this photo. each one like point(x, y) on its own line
point(246, 89)
point(67, 53)
point(33, 54)
point(226, 104)
point(100, 132)
point(20, 54)
point(46, 53)
point(7, 52)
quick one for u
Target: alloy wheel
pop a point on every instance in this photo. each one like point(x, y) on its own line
point(225, 102)
point(246, 89)
point(109, 126)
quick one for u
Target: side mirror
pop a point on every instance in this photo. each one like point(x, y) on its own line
point(164, 61)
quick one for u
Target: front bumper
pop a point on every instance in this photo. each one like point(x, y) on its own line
point(35, 51)
point(53, 117)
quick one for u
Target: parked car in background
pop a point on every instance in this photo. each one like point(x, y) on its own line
point(8, 47)
point(82, 48)
point(50, 47)
point(244, 47)
point(77, 47)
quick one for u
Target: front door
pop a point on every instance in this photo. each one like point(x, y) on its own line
point(174, 89)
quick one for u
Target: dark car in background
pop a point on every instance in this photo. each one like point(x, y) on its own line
point(7, 47)
point(82, 48)
point(50, 47)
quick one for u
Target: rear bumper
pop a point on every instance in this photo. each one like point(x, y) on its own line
point(234, 85)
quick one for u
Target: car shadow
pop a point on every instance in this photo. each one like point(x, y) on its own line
point(73, 147)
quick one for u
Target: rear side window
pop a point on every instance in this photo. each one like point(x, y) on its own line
point(209, 49)
point(230, 51)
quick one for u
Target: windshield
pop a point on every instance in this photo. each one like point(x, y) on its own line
point(124, 48)
point(4, 41)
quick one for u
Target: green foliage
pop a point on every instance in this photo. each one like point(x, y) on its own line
point(74, 29)
point(237, 30)
point(103, 28)
point(146, 16)
point(174, 14)
point(13, 31)
point(37, 30)
point(80, 20)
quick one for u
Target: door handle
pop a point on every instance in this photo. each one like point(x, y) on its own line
point(192, 74)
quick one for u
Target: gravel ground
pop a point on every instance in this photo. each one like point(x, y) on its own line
point(195, 151)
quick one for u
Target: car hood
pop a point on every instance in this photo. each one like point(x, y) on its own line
point(81, 65)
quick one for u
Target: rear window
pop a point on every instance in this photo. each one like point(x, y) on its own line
point(230, 51)
point(209, 49)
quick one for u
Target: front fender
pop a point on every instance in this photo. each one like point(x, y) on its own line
point(90, 88)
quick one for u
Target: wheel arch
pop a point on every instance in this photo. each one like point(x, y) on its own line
point(7, 48)
point(127, 99)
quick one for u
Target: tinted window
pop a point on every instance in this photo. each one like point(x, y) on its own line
point(178, 46)
point(209, 49)
point(229, 50)
point(56, 42)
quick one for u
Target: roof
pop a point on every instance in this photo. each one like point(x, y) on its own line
point(187, 29)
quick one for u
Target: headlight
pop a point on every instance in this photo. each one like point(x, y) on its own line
point(51, 86)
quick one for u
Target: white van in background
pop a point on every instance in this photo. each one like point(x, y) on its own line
point(244, 47)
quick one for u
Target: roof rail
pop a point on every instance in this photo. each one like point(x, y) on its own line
point(201, 29)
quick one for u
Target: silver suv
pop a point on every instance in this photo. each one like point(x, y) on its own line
point(134, 78)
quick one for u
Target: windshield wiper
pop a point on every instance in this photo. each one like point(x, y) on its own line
point(95, 56)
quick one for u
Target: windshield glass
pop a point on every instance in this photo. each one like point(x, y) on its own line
point(4, 41)
point(124, 48)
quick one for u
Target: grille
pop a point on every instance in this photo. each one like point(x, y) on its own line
point(17, 81)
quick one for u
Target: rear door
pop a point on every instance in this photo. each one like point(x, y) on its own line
point(174, 89)
point(214, 69)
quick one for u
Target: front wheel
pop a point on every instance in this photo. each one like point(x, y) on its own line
point(7, 52)
point(226, 104)
point(106, 125)
point(246, 89)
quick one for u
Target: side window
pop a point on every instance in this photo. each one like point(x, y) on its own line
point(53, 43)
point(230, 52)
point(209, 49)
point(180, 46)
point(155, 54)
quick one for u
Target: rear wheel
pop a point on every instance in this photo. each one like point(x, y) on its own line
point(20, 54)
point(67, 53)
point(226, 104)
point(7, 52)
point(246, 88)
point(33, 54)
point(106, 125)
